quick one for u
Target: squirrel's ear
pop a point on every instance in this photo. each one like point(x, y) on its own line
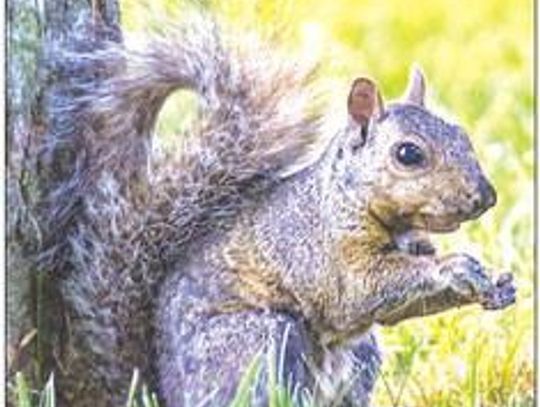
point(416, 90)
point(364, 101)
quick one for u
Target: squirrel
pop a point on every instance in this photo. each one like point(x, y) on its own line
point(186, 264)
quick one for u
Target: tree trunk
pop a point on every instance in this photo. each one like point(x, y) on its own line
point(34, 313)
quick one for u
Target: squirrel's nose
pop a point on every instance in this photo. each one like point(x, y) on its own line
point(485, 198)
point(489, 196)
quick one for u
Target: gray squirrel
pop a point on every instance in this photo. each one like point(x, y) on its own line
point(187, 264)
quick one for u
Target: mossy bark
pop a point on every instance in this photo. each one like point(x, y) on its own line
point(34, 312)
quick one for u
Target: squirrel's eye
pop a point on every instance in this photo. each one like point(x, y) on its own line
point(409, 154)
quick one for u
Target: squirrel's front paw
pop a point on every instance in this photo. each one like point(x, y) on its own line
point(466, 276)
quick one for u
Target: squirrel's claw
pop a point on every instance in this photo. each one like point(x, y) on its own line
point(504, 279)
point(421, 248)
point(416, 243)
point(502, 295)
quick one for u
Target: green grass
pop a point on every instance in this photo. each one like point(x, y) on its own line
point(478, 59)
point(26, 397)
point(140, 396)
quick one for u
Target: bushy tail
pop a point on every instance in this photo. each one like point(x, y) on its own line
point(116, 213)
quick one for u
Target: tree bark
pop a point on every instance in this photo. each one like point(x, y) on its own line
point(34, 311)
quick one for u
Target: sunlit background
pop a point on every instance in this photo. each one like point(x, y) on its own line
point(478, 57)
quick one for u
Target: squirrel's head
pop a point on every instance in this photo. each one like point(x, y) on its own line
point(417, 170)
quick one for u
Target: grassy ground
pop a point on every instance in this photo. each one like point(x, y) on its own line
point(478, 58)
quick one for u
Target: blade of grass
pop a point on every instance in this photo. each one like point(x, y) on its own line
point(48, 396)
point(22, 391)
point(242, 397)
point(133, 389)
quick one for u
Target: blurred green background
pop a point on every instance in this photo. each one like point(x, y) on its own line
point(478, 57)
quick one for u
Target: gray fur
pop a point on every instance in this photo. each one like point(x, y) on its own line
point(188, 264)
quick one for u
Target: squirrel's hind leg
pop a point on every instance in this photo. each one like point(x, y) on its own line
point(348, 373)
point(203, 357)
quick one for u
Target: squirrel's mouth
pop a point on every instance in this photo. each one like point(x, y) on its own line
point(420, 222)
point(410, 234)
point(399, 220)
point(433, 224)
